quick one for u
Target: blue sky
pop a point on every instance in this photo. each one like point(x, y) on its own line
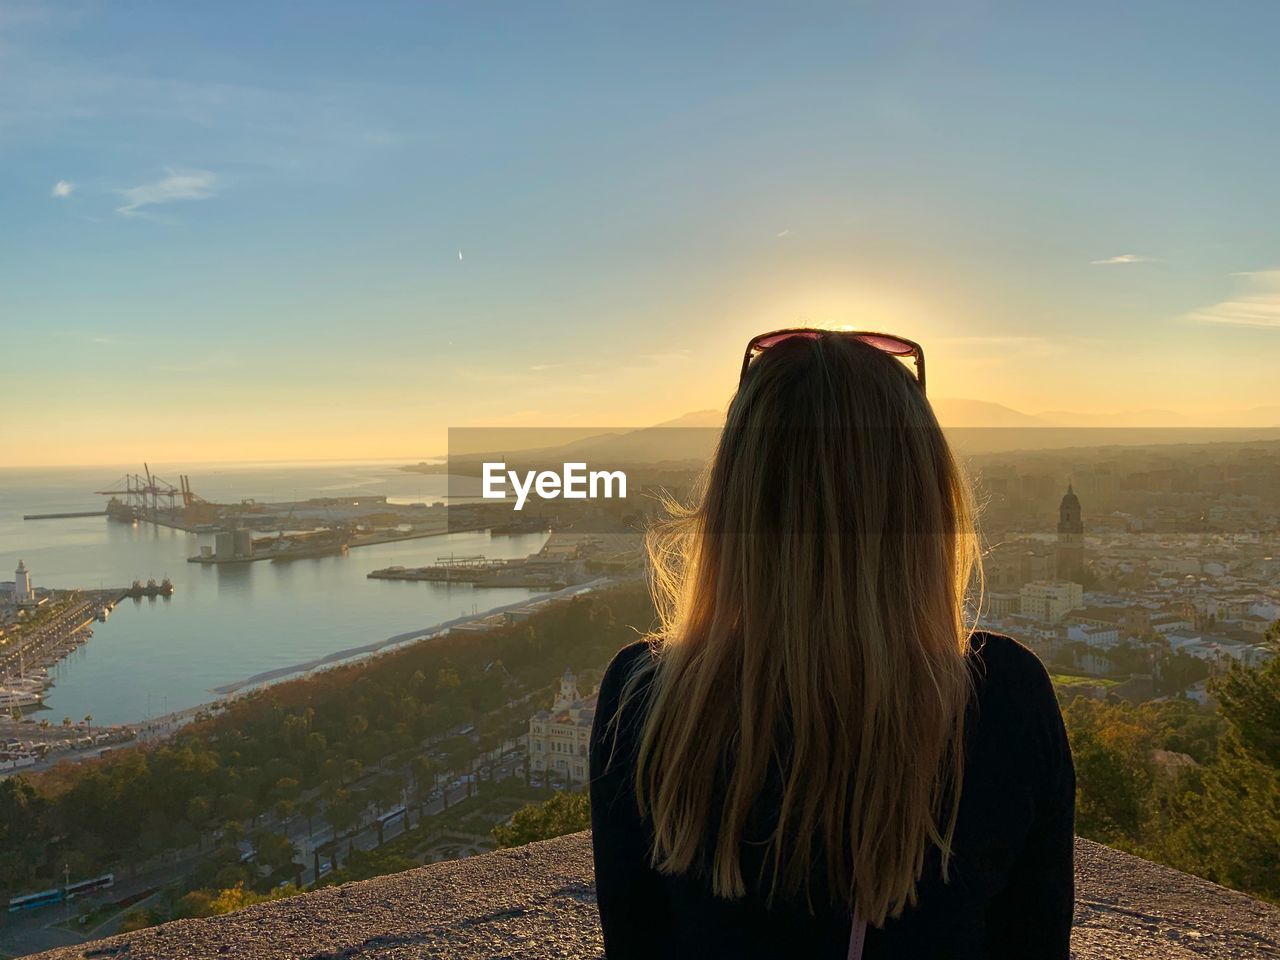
point(243, 221)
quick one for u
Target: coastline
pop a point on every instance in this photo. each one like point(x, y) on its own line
point(267, 677)
point(161, 727)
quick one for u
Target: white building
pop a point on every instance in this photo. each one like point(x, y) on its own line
point(559, 738)
point(22, 592)
point(1103, 638)
point(1050, 600)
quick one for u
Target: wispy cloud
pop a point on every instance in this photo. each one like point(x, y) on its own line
point(63, 188)
point(1124, 258)
point(783, 233)
point(1256, 305)
point(671, 356)
point(175, 185)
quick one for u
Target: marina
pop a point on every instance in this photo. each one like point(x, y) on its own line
point(53, 625)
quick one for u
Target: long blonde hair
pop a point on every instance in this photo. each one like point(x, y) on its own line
point(814, 631)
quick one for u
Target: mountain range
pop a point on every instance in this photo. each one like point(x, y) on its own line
point(959, 412)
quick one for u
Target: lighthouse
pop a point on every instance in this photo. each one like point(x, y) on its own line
point(22, 584)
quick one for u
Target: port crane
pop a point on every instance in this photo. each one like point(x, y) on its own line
point(142, 495)
point(143, 491)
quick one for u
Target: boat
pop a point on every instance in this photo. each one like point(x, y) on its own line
point(11, 697)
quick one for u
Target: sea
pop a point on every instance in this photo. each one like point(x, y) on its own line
point(225, 623)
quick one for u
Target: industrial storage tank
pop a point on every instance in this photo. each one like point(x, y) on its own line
point(244, 543)
point(224, 546)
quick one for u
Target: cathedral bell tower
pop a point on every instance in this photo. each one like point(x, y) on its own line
point(1069, 553)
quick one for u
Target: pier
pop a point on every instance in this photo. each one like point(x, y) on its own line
point(64, 516)
point(531, 572)
point(448, 570)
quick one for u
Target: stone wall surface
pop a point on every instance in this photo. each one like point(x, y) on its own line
point(538, 903)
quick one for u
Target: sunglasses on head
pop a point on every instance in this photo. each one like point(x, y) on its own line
point(895, 346)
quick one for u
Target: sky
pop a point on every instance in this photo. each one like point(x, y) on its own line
point(332, 230)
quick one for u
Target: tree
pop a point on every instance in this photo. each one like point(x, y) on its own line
point(386, 792)
point(343, 811)
point(424, 771)
point(352, 770)
point(563, 813)
point(23, 814)
point(1182, 670)
point(1249, 699)
point(1112, 748)
point(1272, 635)
point(309, 807)
point(274, 851)
point(1224, 822)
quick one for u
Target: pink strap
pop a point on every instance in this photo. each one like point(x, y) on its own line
point(857, 936)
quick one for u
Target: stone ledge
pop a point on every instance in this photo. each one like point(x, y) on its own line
point(538, 903)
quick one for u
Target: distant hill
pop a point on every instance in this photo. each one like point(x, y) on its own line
point(699, 418)
point(1156, 418)
point(1124, 418)
point(974, 426)
point(962, 412)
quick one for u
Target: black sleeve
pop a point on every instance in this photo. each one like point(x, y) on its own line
point(1032, 917)
point(630, 893)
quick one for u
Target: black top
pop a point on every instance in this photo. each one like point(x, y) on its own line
point(1010, 892)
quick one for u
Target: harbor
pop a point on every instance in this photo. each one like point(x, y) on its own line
point(227, 621)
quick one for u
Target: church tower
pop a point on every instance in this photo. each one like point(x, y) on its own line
point(568, 691)
point(1069, 554)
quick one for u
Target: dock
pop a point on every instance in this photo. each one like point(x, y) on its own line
point(64, 516)
point(447, 570)
point(483, 572)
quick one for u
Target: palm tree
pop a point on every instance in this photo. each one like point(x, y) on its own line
point(88, 722)
point(386, 793)
point(309, 807)
point(424, 770)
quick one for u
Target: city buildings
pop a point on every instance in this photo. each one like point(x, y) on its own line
point(1050, 601)
point(1180, 564)
point(559, 737)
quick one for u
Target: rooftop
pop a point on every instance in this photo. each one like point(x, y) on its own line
point(538, 903)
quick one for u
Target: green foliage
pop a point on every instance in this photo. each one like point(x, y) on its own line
point(213, 903)
point(1250, 702)
point(562, 813)
point(139, 919)
point(1195, 788)
point(22, 848)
